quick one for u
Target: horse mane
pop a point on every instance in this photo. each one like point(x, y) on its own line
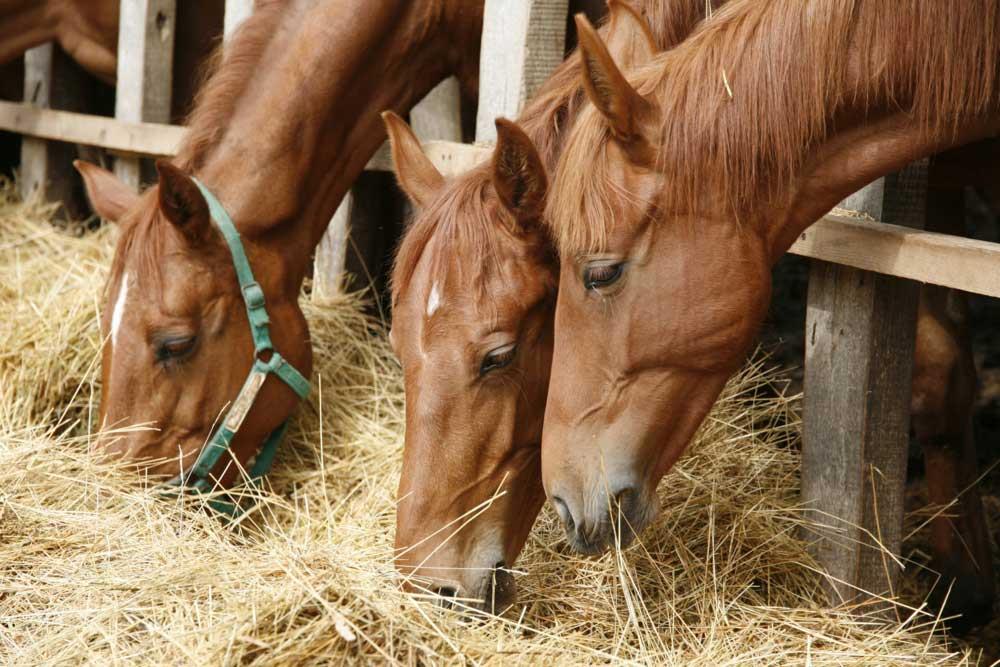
point(225, 78)
point(467, 212)
point(549, 114)
point(141, 235)
point(747, 96)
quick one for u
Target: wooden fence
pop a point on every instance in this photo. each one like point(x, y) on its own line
point(862, 298)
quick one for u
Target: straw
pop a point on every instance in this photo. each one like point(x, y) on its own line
point(96, 568)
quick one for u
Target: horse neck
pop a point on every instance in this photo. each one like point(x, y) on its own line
point(25, 24)
point(307, 119)
point(854, 157)
point(820, 99)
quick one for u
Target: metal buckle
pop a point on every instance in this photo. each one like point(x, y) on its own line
point(243, 403)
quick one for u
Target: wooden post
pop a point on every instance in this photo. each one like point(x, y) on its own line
point(237, 11)
point(859, 359)
point(146, 31)
point(437, 116)
point(523, 41)
point(51, 80)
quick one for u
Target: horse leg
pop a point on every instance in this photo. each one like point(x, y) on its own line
point(944, 385)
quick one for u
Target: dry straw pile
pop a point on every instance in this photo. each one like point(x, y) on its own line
point(96, 569)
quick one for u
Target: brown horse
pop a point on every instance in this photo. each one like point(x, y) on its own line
point(702, 167)
point(283, 127)
point(473, 302)
point(87, 30)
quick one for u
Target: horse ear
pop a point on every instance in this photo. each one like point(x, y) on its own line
point(629, 38)
point(518, 174)
point(182, 202)
point(109, 197)
point(606, 86)
point(417, 175)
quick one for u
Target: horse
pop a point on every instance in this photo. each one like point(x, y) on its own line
point(687, 178)
point(473, 302)
point(281, 129)
point(87, 30)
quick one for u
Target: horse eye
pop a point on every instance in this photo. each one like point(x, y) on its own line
point(498, 358)
point(602, 275)
point(173, 349)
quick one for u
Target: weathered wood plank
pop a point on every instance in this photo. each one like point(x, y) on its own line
point(859, 356)
point(438, 116)
point(160, 140)
point(941, 259)
point(146, 31)
point(523, 41)
point(38, 177)
point(237, 11)
point(52, 79)
point(331, 253)
point(149, 139)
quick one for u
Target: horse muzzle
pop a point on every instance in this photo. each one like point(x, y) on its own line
point(608, 520)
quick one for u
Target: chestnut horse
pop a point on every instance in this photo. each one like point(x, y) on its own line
point(282, 128)
point(473, 301)
point(87, 30)
point(702, 168)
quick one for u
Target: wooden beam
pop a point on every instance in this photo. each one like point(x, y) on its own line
point(523, 42)
point(149, 139)
point(237, 11)
point(161, 140)
point(859, 356)
point(450, 158)
point(146, 30)
point(940, 259)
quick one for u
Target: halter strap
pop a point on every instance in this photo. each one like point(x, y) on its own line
point(197, 478)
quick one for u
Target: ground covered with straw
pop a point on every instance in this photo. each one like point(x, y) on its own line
point(95, 568)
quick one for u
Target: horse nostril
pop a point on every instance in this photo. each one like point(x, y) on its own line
point(501, 590)
point(624, 498)
point(446, 595)
point(564, 514)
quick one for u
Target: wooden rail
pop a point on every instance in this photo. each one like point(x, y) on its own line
point(939, 259)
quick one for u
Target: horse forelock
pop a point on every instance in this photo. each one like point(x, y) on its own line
point(140, 246)
point(745, 98)
point(464, 228)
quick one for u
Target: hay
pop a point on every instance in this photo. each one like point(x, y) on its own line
point(96, 569)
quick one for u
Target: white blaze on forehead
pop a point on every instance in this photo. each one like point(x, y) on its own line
point(434, 300)
point(119, 311)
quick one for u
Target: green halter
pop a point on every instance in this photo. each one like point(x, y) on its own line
point(197, 478)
